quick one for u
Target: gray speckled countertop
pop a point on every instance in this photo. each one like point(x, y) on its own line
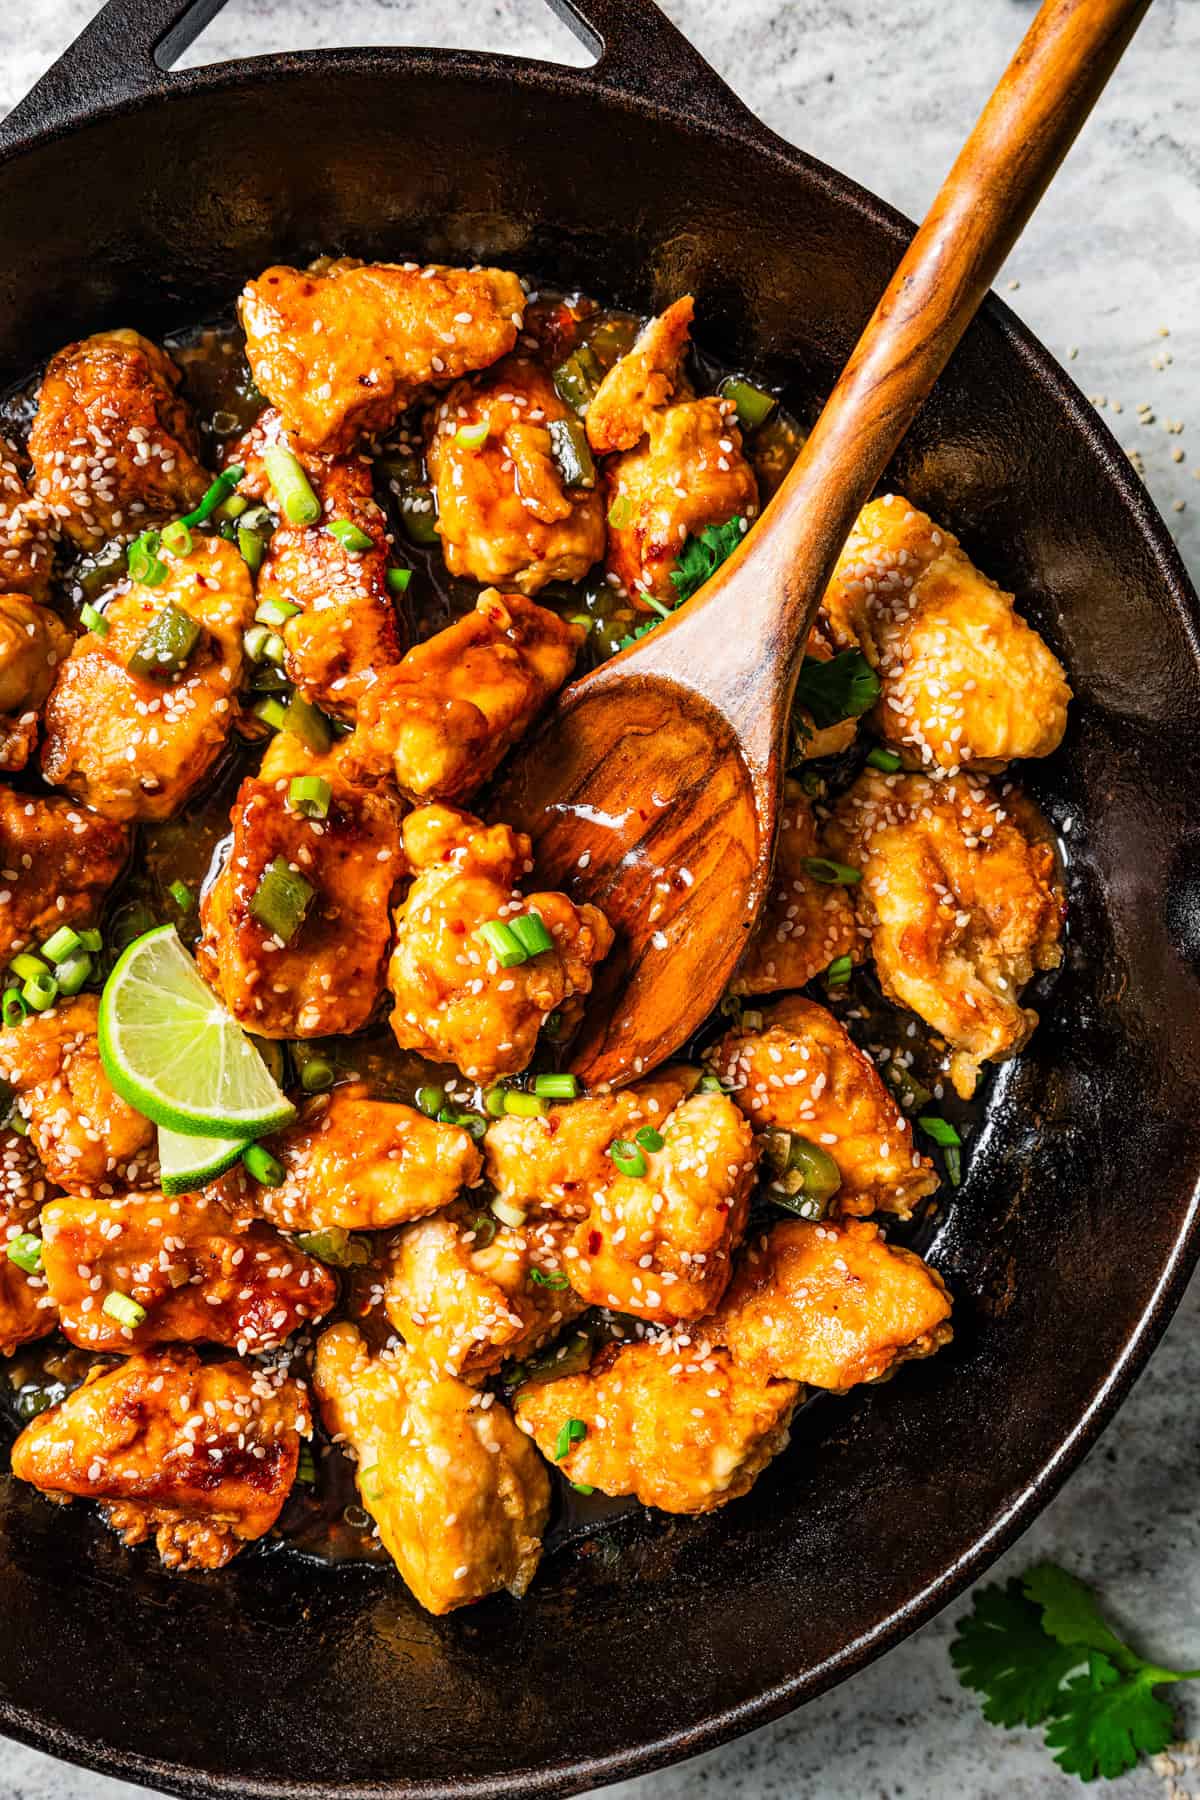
point(1110, 266)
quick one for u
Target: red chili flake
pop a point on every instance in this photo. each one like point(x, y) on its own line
point(594, 1243)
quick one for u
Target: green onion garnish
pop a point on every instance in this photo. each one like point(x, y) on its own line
point(265, 1168)
point(710, 1084)
point(316, 1075)
point(292, 487)
point(507, 1213)
point(254, 641)
point(579, 377)
point(306, 1468)
point(177, 538)
point(275, 612)
point(310, 795)
point(143, 561)
point(628, 1158)
point(26, 1251)
point(503, 942)
point(839, 971)
point(430, 1100)
point(754, 405)
point(350, 536)
point(182, 895)
point(523, 1106)
point(482, 1231)
point(72, 972)
point(473, 437)
point(251, 548)
point(493, 1102)
point(572, 453)
point(620, 512)
point(40, 992)
point(398, 580)
point(530, 933)
point(125, 1311)
point(93, 620)
point(940, 1130)
point(573, 1432)
point(887, 760)
point(12, 1007)
point(556, 1087)
point(272, 712)
point(166, 644)
point(649, 1139)
point(28, 966)
point(583, 1487)
point(336, 1246)
point(274, 650)
point(233, 508)
point(308, 723)
point(61, 944)
point(418, 514)
point(556, 1279)
point(806, 1177)
point(953, 1160)
point(281, 900)
point(832, 874)
point(92, 940)
point(216, 495)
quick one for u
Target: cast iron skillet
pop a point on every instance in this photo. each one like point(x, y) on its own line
point(131, 197)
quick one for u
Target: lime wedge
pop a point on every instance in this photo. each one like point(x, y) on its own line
point(170, 1048)
point(187, 1163)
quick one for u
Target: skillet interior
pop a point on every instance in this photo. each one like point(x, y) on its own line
point(1074, 1233)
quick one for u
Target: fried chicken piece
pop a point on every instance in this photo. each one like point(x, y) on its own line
point(27, 531)
point(965, 681)
point(362, 1164)
point(831, 1305)
point(454, 1002)
point(346, 629)
point(57, 863)
point(682, 467)
point(467, 1292)
point(200, 1454)
point(440, 722)
point(803, 1073)
point(341, 349)
point(27, 1310)
point(200, 1274)
point(506, 511)
point(328, 977)
point(113, 445)
point(85, 1134)
point(136, 746)
point(676, 1423)
point(805, 924)
point(33, 641)
point(459, 1496)
point(962, 898)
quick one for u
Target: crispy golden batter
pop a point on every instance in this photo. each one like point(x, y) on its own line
point(27, 531)
point(675, 1423)
point(962, 899)
point(329, 976)
point(85, 1134)
point(33, 641)
point(466, 1292)
point(453, 1000)
point(346, 629)
point(459, 1496)
point(341, 349)
point(643, 381)
point(135, 746)
point(505, 513)
point(202, 1455)
point(965, 681)
point(803, 1073)
point(805, 924)
point(200, 1275)
point(113, 446)
point(364, 1164)
point(57, 863)
point(439, 723)
point(27, 1310)
point(831, 1305)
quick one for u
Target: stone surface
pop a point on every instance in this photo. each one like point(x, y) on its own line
point(885, 92)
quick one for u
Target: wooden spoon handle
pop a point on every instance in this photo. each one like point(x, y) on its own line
point(1023, 134)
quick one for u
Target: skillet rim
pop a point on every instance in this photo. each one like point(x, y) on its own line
point(716, 113)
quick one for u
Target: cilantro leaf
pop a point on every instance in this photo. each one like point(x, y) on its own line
point(1071, 1614)
point(702, 556)
point(1002, 1652)
point(845, 687)
point(1107, 1720)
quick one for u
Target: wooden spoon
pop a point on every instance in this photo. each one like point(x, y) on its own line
point(654, 787)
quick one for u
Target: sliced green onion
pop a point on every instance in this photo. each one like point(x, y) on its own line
point(523, 1106)
point(350, 536)
point(251, 548)
point(573, 1432)
point(572, 453)
point(940, 1130)
point(233, 508)
point(275, 612)
point(839, 971)
point(254, 641)
point(266, 1169)
point(556, 1279)
point(887, 760)
point(572, 1356)
point(143, 561)
point(73, 972)
point(292, 487)
point(473, 1122)
point(306, 1468)
point(483, 1231)
point(801, 1167)
point(93, 620)
point(40, 992)
point(530, 932)
point(752, 1019)
point(430, 1100)
point(177, 538)
point(316, 1075)
point(92, 940)
point(398, 580)
point(508, 1214)
point(620, 513)
point(308, 723)
point(649, 1139)
point(281, 900)
point(493, 1102)
point(503, 942)
point(583, 620)
point(61, 944)
point(578, 378)
point(418, 514)
point(582, 1487)
point(166, 644)
point(832, 874)
point(628, 1158)
point(336, 1246)
point(473, 437)
point(216, 495)
point(28, 966)
point(556, 1087)
point(182, 895)
point(26, 1251)
point(710, 1084)
point(125, 1311)
point(953, 1160)
point(754, 404)
point(13, 1007)
point(310, 795)
point(17, 1122)
point(272, 712)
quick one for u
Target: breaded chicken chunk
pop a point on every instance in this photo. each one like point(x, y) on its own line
point(805, 923)
point(113, 445)
point(362, 1164)
point(199, 1274)
point(454, 999)
point(674, 1422)
point(467, 1292)
point(341, 349)
point(57, 863)
point(831, 1305)
point(440, 721)
point(962, 899)
point(326, 976)
point(134, 746)
point(802, 1073)
point(27, 1309)
point(85, 1134)
point(27, 532)
point(681, 468)
point(965, 681)
point(459, 1496)
point(33, 642)
point(346, 628)
point(518, 507)
point(200, 1454)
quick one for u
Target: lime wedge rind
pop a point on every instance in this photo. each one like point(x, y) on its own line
point(187, 1162)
